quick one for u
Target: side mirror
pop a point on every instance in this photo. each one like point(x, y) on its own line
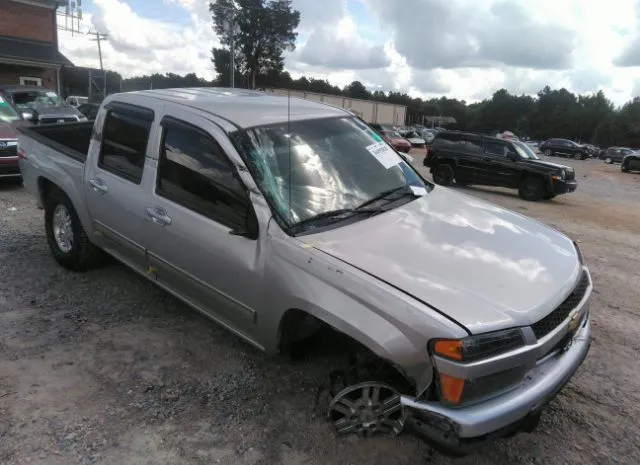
point(512, 156)
point(250, 230)
point(28, 115)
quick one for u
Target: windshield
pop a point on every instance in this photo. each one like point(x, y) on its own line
point(7, 112)
point(36, 98)
point(307, 168)
point(525, 151)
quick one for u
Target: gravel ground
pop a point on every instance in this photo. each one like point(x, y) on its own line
point(104, 368)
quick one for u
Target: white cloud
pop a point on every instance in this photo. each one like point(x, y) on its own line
point(138, 45)
point(456, 48)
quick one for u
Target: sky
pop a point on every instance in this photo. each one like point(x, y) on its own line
point(465, 49)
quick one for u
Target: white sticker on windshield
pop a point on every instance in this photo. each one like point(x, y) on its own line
point(418, 190)
point(51, 94)
point(384, 154)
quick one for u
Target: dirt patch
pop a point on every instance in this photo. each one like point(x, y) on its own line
point(105, 368)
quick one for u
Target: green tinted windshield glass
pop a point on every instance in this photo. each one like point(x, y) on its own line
point(306, 168)
point(7, 112)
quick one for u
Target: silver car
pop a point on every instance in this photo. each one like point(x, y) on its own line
point(279, 217)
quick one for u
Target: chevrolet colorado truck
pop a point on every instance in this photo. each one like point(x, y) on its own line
point(279, 217)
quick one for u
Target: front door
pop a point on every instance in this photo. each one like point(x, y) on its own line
point(195, 205)
point(501, 171)
point(113, 186)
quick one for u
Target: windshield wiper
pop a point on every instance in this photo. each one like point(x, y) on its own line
point(404, 190)
point(340, 214)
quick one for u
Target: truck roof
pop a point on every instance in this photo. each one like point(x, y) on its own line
point(240, 107)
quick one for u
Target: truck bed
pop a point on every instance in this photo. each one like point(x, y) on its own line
point(71, 139)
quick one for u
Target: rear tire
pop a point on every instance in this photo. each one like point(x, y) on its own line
point(66, 237)
point(443, 174)
point(548, 153)
point(608, 160)
point(531, 189)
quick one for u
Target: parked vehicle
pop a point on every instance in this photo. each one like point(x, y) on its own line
point(278, 217)
point(90, 110)
point(563, 148)
point(396, 140)
point(10, 119)
point(468, 158)
point(615, 154)
point(428, 135)
point(414, 139)
point(592, 150)
point(40, 105)
point(76, 100)
point(631, 162)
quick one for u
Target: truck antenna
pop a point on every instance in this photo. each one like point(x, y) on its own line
point(289, 138)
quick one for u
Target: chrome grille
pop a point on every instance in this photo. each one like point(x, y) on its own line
point(556, 317)
point(66, 119)
point(10, 151)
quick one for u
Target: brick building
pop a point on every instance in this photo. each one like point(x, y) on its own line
point(29, 43)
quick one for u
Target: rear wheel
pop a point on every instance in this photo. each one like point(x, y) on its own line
point(532, 189)
point(443, 175)
point(548, 152)
point(66, 237)
point(608, 160)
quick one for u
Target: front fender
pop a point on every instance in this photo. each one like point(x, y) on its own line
point(387, 321)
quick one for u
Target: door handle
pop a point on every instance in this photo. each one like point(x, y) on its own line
point(98, 185)
point(158, 215)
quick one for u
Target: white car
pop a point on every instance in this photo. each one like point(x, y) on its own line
point(415, 140)
point(76, 100)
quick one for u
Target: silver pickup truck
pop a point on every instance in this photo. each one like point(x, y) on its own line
point(279, 218)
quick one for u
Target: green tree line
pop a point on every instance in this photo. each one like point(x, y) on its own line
point(551, 113)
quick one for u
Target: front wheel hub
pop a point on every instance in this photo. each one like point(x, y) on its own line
point(366, 409)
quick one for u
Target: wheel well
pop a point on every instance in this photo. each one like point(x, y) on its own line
point(301, 334)
point(45, 187)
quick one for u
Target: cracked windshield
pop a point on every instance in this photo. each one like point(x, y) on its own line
point(366, 232)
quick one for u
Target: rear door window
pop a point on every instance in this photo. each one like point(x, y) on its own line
point(124, 144)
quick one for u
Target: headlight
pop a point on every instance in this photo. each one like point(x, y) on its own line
point(455, 391)
point(478, 347)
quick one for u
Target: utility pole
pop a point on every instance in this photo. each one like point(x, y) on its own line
point(98, 37)
point(233, 50)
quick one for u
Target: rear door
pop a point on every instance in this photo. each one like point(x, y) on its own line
point(195, 204)
point(469, 159)
point(113, 185)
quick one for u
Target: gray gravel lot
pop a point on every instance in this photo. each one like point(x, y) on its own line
point(104, 368)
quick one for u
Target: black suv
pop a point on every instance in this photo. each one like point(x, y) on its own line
point(482, 160)
point(564, 148)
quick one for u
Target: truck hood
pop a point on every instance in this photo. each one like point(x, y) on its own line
point(547, 164)
point(484, 267)
point(61, 111)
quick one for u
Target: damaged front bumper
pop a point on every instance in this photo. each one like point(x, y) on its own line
point(461, 430)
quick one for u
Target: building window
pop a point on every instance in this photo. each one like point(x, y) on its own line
point(30, 81)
